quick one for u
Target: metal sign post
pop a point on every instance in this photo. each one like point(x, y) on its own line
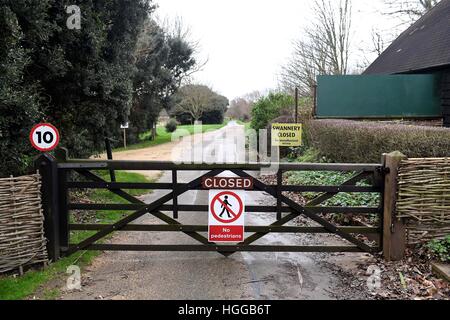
point(296, 105)
point(125, 127)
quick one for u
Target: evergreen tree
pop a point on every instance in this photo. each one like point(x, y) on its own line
point(19, 102)
point(119, 66)
point(161, 62)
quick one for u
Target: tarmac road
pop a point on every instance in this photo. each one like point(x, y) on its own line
point(192, 276)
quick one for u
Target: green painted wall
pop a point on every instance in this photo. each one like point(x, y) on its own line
point(396, 96)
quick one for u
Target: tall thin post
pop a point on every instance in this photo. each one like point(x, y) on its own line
point(378, 181)
point(154, 131)
point(314, 100)
point(175, 191)
point(394, 229)
point(296, 105)
point(112, 173)
point(46, 165)
point(61, 155)
point(279, 185)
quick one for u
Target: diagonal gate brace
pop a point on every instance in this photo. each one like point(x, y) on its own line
point(299, 210)
point(150, 208)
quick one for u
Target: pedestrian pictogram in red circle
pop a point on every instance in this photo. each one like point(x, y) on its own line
point(44, 137)
point(236, 214)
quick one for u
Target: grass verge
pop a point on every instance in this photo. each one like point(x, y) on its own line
point(247, 125)
point(18, 288)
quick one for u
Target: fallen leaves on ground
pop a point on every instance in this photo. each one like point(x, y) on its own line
point(409, 279)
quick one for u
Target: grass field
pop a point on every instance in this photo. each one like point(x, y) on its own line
point(16, 288)
point(164, 137)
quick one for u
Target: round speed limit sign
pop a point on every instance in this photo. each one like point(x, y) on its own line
point(44, 137)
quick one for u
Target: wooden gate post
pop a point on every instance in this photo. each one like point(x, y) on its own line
point(47, 167)
point(61, 155)
point(394, 230)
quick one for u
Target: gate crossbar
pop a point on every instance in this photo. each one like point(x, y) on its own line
point(150, 208)
point(303, 210)
point(294, 210)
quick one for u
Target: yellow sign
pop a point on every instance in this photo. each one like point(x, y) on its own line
point(286, 135)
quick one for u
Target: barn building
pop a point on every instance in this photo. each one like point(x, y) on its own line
point(424, 48)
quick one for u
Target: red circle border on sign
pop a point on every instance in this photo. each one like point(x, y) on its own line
point(44, 125)
point(216, 198)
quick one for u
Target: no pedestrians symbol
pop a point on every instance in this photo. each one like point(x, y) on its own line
point(226, 216)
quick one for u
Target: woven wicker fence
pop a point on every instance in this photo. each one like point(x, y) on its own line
point(424, 198)
point(22, 241)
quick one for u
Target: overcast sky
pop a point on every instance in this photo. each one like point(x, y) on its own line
point(247, 41)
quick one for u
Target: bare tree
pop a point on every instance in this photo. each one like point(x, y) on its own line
point(194, 100)
point(236, 109)
point(378, 42)
point(253, 96)
point(373, 48)
point(302, 69)
point(325, 48)
point(241, 108)
point(405, 12)
point(408, 11)
point(178, 29)
point(332, 32)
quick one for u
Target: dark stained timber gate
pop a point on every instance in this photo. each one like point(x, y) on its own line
point(57, 206)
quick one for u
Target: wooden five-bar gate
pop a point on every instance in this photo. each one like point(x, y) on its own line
point(61, 175)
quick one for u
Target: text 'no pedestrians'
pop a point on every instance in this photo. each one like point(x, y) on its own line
point(226, 216)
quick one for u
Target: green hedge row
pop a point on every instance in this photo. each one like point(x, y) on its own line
point(359, 142)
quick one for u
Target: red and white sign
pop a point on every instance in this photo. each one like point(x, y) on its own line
point(222, 183)
point(226, 216)
point(44, 137)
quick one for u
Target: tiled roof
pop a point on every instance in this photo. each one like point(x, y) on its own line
point(426, 44)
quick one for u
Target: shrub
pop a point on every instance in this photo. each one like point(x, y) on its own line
point(171, 126)
point(356, 141)
point(210, 116)
point(183, 118)
point(268, 108)
point(441, 249)
point(304, 154)
point(319, 178)
point(213, 117)
point(313, 178)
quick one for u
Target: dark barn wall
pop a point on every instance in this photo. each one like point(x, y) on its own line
point(446, 98)
point(405, 96)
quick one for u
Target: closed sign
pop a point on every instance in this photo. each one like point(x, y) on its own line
point(286, 135)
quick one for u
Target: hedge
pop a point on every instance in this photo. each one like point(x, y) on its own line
point(357, 141)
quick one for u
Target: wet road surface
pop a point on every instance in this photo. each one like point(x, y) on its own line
point(193, 275)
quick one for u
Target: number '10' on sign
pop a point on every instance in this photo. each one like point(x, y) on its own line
point(44, 137)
